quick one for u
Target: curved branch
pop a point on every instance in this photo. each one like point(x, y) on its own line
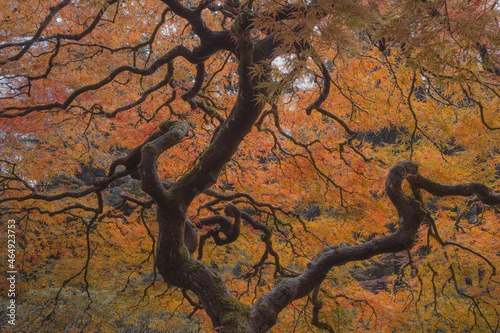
point(411, 215)
point(50, 64)
point(77, 37)
point(198, 82)
point(144, 95)
point(468, 95)
point(317, 306)
point(486, 60)
point(484, 194)
point(153, 34)
point(324, 92)
point(178, 51)
point(98, 185)
point(53, 12)
point(172, 134)
point(266, 238)
point(193, 16)
point(132, 160)
point(230, 230)
point(238, 124)
point(209, 110)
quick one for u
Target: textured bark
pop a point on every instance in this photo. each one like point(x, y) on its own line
point(266, 310)
point(173, 259)
point(178, 268)
point(178, 239)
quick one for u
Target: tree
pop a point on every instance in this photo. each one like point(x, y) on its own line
point(237, 120)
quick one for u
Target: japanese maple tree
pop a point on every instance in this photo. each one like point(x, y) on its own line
point(243, 166)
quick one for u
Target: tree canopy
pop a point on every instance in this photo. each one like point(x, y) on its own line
point(246, 166)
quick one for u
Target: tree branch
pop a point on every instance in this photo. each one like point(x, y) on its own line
point(178, 51)
point(172, 134)
point(411, 215)
point(53, 12)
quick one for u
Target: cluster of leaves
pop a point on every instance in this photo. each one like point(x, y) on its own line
point(84, 82)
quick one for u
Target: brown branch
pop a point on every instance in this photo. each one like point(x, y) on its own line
point(338, 120)
point(50, 64)
point(54, 197)
point(178, 51)
point(486, 60)
point(193, 16)
point(266, 238)
point(53, 12)
point(209, 111)
point(144, 204)
point(475, 303)
point(324, 92)
point(169, 134)
point(198, 82)
point(230, 230)
point(493, 268)
point(58, 36)
point(484, 194)
point(153, 35)
point(145, 94)
point(64, 210)
point(250, 200)
point(411, 215)
point(317, 306)
point(468, 95)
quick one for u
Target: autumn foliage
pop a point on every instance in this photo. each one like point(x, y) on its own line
point(251, 166)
